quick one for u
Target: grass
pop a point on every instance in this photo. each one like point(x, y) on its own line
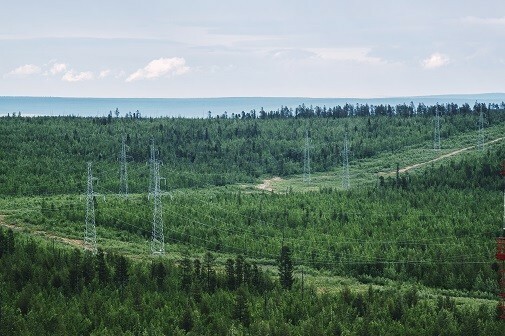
point(367, 171)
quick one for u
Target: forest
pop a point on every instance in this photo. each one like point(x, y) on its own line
point(203, 152)
point(400, 252)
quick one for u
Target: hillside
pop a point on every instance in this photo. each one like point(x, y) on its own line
point(408, 247)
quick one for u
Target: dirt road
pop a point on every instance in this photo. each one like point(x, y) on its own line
point(267, 184)
point(441, 157)
point(74, 242)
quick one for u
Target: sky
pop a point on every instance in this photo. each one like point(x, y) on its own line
point(295, 48)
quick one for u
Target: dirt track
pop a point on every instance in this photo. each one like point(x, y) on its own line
point(74, 242)
point(456, 152)
point(267, 184)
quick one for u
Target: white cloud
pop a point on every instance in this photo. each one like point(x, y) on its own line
point(360, 55)
point(484, 21)
point(435, 60)
point(291, 54)
point(120, 75)
point(161, 67)
point(73, 76)
point(58, 68)
point(25, 70)
point(104, 73)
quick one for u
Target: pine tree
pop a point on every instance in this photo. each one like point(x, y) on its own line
point(9, 242)
point(241, 309)
point(103, 274)
point(121, 271)
point(2, 243)
point(186, 322)
point(158, 273)
point(230, 274)
point(286, 268)
point(186, 274)
point(239, 270)
point(210, 274)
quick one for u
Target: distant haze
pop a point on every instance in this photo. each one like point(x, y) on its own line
point(199, 107)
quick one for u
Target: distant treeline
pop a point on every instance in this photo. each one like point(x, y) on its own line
point(363, 110)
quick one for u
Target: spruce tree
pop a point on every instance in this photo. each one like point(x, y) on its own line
point(286, 268)
point(241, 308)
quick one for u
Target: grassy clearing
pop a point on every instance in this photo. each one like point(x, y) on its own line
point(367, 171)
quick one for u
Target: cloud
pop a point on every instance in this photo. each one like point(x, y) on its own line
point(120, 75)
point(436, 60)
point(292, 54)
point(58, 68)
point(73, 76)
point(360, 55)
point(161, 67)
point(484, 21)
point(25, 70)
point(104, 73)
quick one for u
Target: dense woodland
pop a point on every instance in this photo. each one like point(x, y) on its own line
point(48, 291)
point(48, 155)
point(242, 252)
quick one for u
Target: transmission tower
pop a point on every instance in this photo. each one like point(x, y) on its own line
point(152, 160)
point(90, 229)
point(436, 144)
point(306, 158)
point(158, 239)
point(346, 184)
point(123, 174)
point(481, 130)
point(500, 259)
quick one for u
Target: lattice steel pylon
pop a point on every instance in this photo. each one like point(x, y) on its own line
point(436, 142)
point(346, 183)
point(90, 228)
point(306, 158)
point(480, 144)
point(500, 259)
point(152, 159)
point(123, 172)
point(158, 238)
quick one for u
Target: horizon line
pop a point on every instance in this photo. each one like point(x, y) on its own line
point(275, 97)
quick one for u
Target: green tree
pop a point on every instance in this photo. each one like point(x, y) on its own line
point(9, 242)
point(101, 267)
point(241, 308)
point(239, 270)
point(285, 268)
point(186, 274)
point(230, 274)
point(121, 270)
point(210, 273)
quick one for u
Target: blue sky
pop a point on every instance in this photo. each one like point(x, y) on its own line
point(225, 48)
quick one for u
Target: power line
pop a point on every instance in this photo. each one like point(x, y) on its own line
point(158, 238)
point(306, 158)
point(90, 228)
point(346, 183)
point(481, 134)
point(342, 260)
point(436, 144)
point(152, 159)
point(123, 175)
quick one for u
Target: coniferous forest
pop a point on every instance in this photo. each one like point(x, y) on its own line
point(406, 250)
